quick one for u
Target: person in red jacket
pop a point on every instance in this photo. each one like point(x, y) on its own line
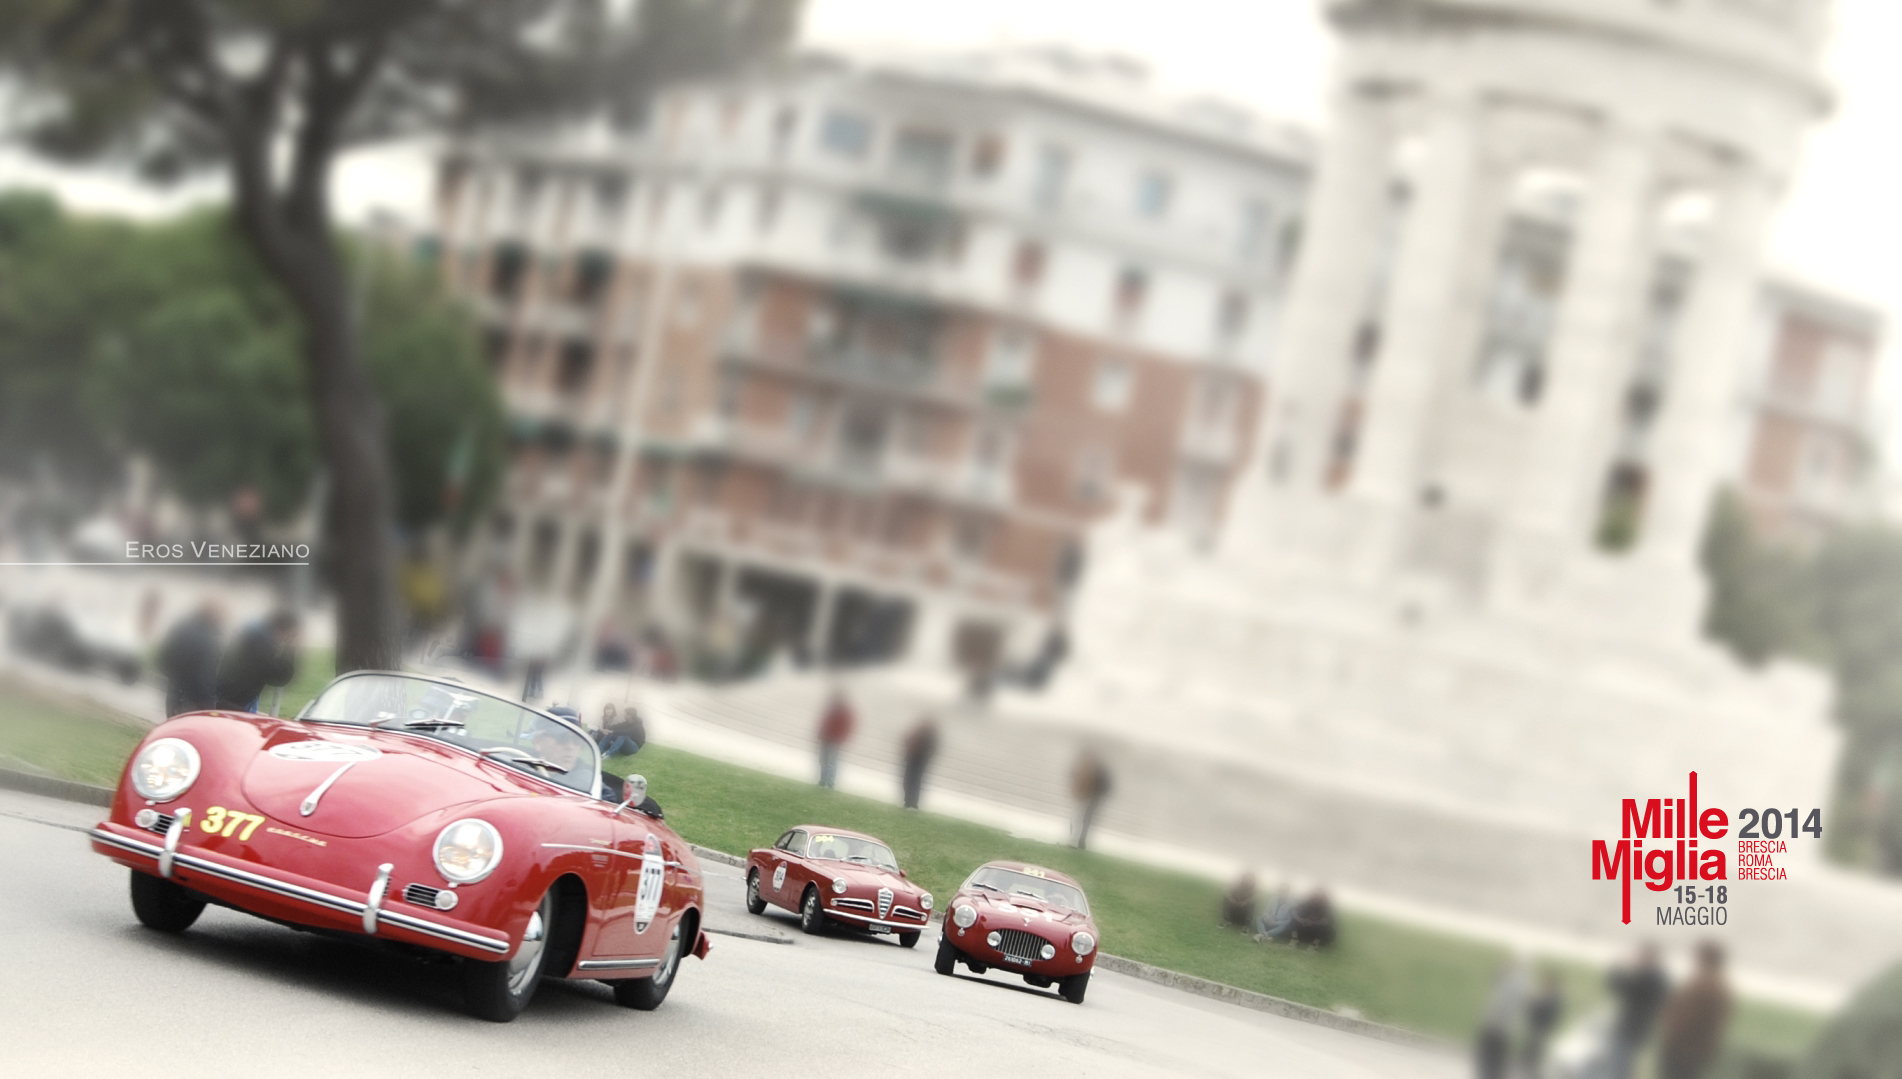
point(835, 726)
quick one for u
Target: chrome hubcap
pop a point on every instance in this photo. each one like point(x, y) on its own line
point(526, 964)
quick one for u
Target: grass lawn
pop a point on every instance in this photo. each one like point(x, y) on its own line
point(1389, 972)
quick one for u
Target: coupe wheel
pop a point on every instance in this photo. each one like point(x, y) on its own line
point(1071, 988)
point(908, 940)
point(162, 905)
point(754, 904)
point(645, 994)
point(947, 960)
point(499, 991)
point(811, 918)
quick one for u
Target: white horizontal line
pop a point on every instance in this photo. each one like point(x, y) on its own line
point(239, 563)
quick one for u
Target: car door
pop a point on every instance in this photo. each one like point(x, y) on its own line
point(786, 869)
point(635, 890)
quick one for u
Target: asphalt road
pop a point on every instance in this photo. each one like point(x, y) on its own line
point(88, 992)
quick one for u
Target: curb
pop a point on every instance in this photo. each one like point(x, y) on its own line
point(68, 790)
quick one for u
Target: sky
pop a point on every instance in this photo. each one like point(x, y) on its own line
point(1840, 225)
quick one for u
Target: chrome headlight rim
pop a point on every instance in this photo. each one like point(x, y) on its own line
point(1082, 943)
point(840, 885)
point(453, 877)
point(161, 794)
point(993, 938)
point(1047, 952)
point(924, 902)
point(964, 916)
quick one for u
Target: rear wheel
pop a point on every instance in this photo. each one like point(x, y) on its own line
point(1072, 988)
point(162, 905)
point(499, 991)
point(754, 904)
point(947, 960)
point(645, 994)
point(811, 918)
point(908, 940)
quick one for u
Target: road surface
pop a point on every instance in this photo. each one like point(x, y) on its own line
point(88, 992)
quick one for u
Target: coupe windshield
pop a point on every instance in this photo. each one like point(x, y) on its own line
point(845, 848)
point(498, 729)
point(1009, 882)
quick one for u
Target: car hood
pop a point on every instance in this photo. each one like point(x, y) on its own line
point(377, 781)
point(1003, 909)
point(866, 876)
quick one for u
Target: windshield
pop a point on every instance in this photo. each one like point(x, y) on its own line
point(499, 729)
point(1028, 885)
point(845, 848)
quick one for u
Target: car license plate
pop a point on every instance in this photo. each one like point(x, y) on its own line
point(880, 928)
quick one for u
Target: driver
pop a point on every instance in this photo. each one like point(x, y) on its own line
point(559, 747)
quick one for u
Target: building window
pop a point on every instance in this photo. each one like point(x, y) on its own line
point(1255, 232)
point(1053, 176)
point(785, 125)
point(509, 270)
point(1092, 479)
point(1153, 190)
point(923, 157)
point(846, 134)
point(987, 156)
point(528, 188)
point(1112, 384)
point(1521, 312)
point(802, 416)
point(495, 348)
point(594, 269)
point(1231, 317)
point(577, 363)
point(971, 537)
point(1011, 358)
point(1132, 287)
point(610, 194)
point(1026, 268)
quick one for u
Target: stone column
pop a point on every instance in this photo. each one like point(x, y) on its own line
point(1686, 449)
point(1329, 293)
point(1435, 246)
point(1593, 345)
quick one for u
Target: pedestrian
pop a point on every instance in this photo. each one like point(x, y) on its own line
point(835, 726)
point(1276, 920)
point(189, 660)
point(263, 654)
point(1238, 902)
point(1695, 1018)
point(623, 733)
point(920, 746)
point(1089, 785)
point(1638, 992)
point(1492, 1050)
point(1542, 1018)
point(532, 684)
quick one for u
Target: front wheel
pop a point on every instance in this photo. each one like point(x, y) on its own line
point(499, 991)
point(947, 960)
point(645, 994)
point(908, 940)
point(162, 905)
point(812, 920)
point(1072, 988)
point(754, 903)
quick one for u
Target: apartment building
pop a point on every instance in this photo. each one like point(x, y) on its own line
point(871, 339)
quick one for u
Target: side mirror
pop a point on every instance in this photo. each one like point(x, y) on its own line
point(902, 876)
point(636, 792)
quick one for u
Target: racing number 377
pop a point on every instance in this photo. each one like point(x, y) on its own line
point(230, 822)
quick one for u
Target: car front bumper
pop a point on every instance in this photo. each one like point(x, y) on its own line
point(290, 897)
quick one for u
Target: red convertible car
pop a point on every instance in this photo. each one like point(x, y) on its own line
point(832, 876)
point(1025, 919)
point(423, 813)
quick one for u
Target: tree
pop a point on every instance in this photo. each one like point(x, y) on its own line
point(272, 90)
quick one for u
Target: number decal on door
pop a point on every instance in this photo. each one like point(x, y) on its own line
point(779, 877)
point(653, 876)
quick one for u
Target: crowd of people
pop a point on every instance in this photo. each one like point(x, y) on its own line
point(202, 671)
point(1291, 916)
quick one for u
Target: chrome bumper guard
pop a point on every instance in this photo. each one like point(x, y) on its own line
point(371, 912)
point(869, 920)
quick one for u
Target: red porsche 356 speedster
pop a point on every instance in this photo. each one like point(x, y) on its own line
point(421, 812)
point(832, 876)
point(1025, 919)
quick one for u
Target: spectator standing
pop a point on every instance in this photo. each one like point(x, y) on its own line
point(1089, 785)
point(189, 660)
point(263, 654)
point(532, 682)
point(1493, 1049)
point(1238, 902)
point(623, 733)
point(1695, 1018)
point(835, 727)
point(1638, 991)
point(920, 746)
point(1542, 1018)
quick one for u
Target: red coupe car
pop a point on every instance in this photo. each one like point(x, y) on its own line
point(832, 876)
point(423, 813)
point(1024, 919)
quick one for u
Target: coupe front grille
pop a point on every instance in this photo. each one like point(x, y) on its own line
point(1020, 945)
point(884, 902)
point(421, 894)
point(907, 912)
point(855, 904)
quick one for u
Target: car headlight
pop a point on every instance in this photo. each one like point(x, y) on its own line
point(165, 769)
point(468, 850)
point(964, 915)
point(839, 885)
point(1083, 944)
point(1049, 951)
point(924, 902)
point(993, 939)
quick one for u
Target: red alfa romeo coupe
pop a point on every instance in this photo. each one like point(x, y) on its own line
point(831, 876)
point(1025, 919)
point(425, 814)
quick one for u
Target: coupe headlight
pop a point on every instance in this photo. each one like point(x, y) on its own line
point(468, 850)
point(165, 769)
point(924, 902)
point(993, 939)
point(839, 885)
point(964, 915)
point(1049, 951)
point(1083, 944)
